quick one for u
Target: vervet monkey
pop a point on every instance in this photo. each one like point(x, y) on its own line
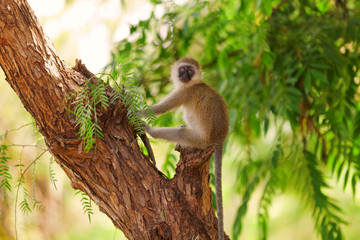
point(206, 116)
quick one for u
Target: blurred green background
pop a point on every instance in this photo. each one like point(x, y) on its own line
point(289, 71)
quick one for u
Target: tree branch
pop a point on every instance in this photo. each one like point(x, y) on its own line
point(118, 177)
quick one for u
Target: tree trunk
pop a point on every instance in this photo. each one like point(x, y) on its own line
point(118, 177)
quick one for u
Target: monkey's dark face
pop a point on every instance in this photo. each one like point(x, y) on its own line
point(186, 73)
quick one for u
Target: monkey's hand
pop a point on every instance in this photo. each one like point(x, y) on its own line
point(152, 131)
point(147, 128)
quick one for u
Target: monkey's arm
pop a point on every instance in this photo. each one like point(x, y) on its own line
point(174, 100)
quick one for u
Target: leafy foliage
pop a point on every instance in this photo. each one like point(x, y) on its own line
point(28, 203)
point(5, 174)
point(86, 101)
point(23, 199)
point(289, 71)
point(93, 97)
point(86, 204)
point(325, 210)
point(52, 173)
point(25, 206)
point(130, 93)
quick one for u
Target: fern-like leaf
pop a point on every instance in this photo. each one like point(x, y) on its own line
point(38, 206)
point(24, 204)
point(131, 95)
point(93, 97)
point(86, 204)
point(5, 175)
point(52, 173)
point(326, 212)
point(263, 212)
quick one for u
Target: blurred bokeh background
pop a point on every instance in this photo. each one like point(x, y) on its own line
point(289, 71)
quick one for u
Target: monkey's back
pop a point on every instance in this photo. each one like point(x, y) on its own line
point(208, 110)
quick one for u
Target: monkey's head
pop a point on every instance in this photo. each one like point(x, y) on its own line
point(186, 71)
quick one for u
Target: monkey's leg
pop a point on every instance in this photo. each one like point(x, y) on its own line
point(184, 136)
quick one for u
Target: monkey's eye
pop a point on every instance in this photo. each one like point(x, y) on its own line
point(182, 69)
point(191, 71)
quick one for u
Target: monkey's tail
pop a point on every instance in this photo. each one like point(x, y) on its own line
point(219, 203)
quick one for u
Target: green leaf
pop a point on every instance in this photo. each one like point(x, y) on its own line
point(222, 61)
point(319, 66)
point(294, 107)
point(267, 7)
point(86, 204)
point(276, 155)
point(294, 91)
point(24, 206)
point(346, 178)
point(353, 184)
point(267, 59)
point(319, 75)
point(307, 82)
point(266, 124)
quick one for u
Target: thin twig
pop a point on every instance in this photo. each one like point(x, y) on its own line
point(13, 130)
point(18, 188)
point(27, 145)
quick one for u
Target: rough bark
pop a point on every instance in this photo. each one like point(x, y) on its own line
point(118, 177)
